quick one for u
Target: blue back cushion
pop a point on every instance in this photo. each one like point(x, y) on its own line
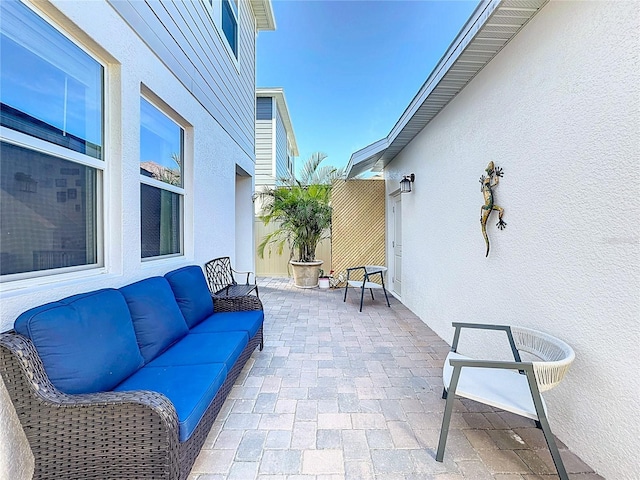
point(192, 293)
point(156, 317)
point(86, 342)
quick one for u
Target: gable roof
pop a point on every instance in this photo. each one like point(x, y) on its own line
point(491, 26)
point(281, 102)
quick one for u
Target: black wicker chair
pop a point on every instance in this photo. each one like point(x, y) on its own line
point(222, 282)
point(107, 435)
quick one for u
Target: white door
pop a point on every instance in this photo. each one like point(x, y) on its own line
point(397, 245)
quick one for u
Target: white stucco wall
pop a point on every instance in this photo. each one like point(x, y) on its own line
point(210, 181)
point(559, 110)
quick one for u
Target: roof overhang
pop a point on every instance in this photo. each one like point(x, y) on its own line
point(263, 11)
point(491, 26)
point(367, 158)
point(281, 102)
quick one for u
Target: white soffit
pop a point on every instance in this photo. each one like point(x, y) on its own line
point(263, 11)
point(491, 26)
point(281, 102)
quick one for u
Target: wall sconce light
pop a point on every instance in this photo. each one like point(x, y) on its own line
point(406, 182)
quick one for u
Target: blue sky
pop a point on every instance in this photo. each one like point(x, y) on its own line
point(350, 68)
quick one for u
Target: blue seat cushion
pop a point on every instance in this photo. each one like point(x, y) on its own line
point(191, 388)
point(86, 342)
point(192, 293)
point(157, 320)
point(249, 321)
point(219, 347)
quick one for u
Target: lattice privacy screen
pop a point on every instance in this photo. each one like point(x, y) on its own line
point(358, 224)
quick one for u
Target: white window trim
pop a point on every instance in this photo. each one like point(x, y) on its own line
point(215, 15)
point(37, 277)
point(162, 185)
point(19, 281)
point(42, 146)
point(166, 110)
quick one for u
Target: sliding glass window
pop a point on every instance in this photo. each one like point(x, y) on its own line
point(51, 152)
point(162, 188)
point(225, 16)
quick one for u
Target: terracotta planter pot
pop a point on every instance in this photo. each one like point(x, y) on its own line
point(305, 274)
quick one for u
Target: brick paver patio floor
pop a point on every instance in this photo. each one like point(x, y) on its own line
point(338, 394)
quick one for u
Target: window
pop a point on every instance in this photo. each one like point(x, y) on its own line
point(51, 89)
point(161, 177)
point(51, 112)
point(230, 23)
point(224, 14)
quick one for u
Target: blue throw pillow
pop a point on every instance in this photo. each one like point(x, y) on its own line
point(156, 317)
point(192, 293)
point(86, 342)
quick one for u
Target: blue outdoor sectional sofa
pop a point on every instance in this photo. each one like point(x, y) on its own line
point(126, 383)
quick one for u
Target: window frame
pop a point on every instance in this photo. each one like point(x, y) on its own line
point(214, 10)
point(101, 166)
point(168, 112)
point(235, 13)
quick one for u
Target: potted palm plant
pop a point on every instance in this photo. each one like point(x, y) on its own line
point(302, 211)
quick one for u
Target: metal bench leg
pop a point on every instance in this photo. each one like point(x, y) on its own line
point(544, 425)
point(385, 293)
point(346, 286)
point(448, 409)
point(361, 296)
point(371, 290)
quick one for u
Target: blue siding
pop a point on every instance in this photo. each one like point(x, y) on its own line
point(264, 108)
point(265, 173)
point(281, 147)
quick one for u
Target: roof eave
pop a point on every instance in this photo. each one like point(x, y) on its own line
point(281, 102)
point(365, 159)
point(263, 13)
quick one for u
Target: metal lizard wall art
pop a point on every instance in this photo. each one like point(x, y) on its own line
point(488, 184)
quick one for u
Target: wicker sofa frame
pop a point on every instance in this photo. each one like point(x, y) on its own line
point(107, 435)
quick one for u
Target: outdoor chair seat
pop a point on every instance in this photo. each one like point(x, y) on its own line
point(504, 389)
point(368, 275)
point(513, 386)
point(237, 290)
